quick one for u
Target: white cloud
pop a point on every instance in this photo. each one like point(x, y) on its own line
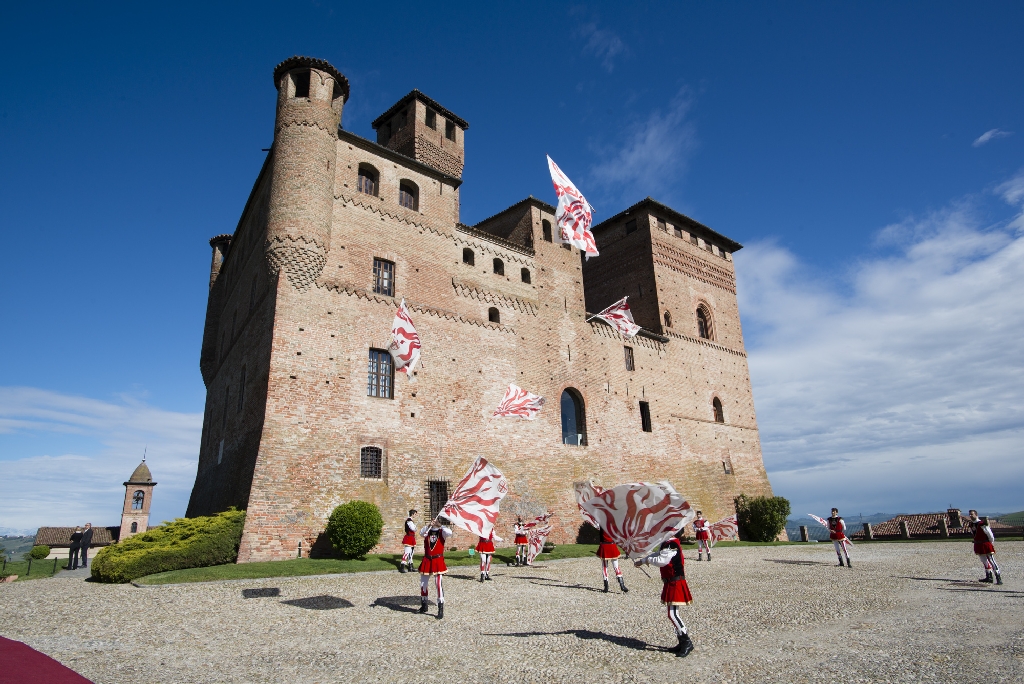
point(603, 44)
point(989, 135)
point(651, 156)
point(93, 447)
point(901, 385)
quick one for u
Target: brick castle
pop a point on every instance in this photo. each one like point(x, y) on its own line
point(303, 408)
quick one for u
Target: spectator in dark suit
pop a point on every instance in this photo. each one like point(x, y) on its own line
point(76, 546)
point(86, 543)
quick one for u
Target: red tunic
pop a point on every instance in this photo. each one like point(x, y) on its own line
point(410, 536)
point(835, 529)
point(982, 545)
point(675, 590)
point(521, 538)
point(433, 559)
point(700, 526)
point(486, 545)
point(607, 550)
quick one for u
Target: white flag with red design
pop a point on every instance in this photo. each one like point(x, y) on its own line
point(405, 343)
point(822, 521)
point(519, 402)
point(474, 504)
point(726, 528)
point(573, 214)
point(584, 492)
point(638, 517)
point(537, 531)
point(620, 317)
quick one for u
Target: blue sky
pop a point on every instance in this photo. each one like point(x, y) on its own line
point(870, 156)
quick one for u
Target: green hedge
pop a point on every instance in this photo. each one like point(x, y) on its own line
point(761, 518)
point(39, 552)
point(354, 528)
point(183, 543)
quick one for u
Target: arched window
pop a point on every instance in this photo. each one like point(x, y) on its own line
point(574, 421)
point(137, 499)
point(300, 83)
point(367, 181)
point(499, 267)
point(525, 275)
point(704, 327)
point(135, 527)
point(719, 413)
point(493, 316)
point(409, 195)
point(546, 228)
point(668, 319)
point(371, 461)
point(468, 257)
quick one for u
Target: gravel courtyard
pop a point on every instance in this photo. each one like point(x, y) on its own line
point(904, 613)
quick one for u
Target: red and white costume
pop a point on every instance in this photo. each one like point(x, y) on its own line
point(701, 530)
point(485, 547)
point(433, 563)
point(409, 542)
point(521, 541)
point(608, 551)
point(984, 547)
point(675, 591)
point(837, 533)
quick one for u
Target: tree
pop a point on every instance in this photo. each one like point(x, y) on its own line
point(761, 518)
point(354, 528)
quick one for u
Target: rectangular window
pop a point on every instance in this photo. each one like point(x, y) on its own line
point(384, 277)
point(449, 131)
point(381, 376)
point(630, 226)
point(727, 466)
point(437, 492)
point(678, 231)
point(629, 358)
point(708, 246)
point(645, 416)
point(693, 238)
point(301, 81)
point(241, 392)
point(662, 225)
point(371, 461)
point(431, 118)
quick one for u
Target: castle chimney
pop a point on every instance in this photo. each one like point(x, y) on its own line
point(953, 516)
point(221, 245)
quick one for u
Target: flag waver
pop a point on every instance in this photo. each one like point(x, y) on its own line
point(474, 504)
point(519, 402)
point(726, 528)
point(620, 317)
point(638, 517)
point(405, 342)
point(574, 215)
point(584, 492)
point(537, 531)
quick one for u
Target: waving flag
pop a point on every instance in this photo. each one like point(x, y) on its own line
point(620, 317)
point(519, 402)
point(537, 530)
point(822, 521)
point(405, 343)
point(639, 517)
point(474, 505)
point(726, 528)
point(584, 492)
point(573, 214)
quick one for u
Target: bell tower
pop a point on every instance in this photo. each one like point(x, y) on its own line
point(138, 495)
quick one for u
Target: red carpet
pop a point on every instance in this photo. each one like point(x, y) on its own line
point(24, 665)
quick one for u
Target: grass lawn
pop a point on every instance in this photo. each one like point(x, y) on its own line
point(40, 568)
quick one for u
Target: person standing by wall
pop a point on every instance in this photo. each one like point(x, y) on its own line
point(74, 548)
point(86, 543)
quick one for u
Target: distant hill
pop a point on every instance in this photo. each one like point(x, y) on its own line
point(1015, 519)
point(17, 544)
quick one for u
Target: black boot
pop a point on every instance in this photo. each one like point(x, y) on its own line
point(848, 562)
point(481, 577)
point(840, 561)
point(685, 646)
point(606, 586)
point(999, 578)
point(487, 577)
point(622, 585)
point(709, 555)
point(440, 611)
point(423, 605)
point(402, 568)
point(988, 577)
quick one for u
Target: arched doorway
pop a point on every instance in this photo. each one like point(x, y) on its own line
point(574, 419)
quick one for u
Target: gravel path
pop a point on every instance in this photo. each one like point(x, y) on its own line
point(904, 613)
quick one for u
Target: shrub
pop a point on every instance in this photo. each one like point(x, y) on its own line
point(39, 552)
point(588, 534)
point(183, 543)
point(761, 518)
point(354, 528)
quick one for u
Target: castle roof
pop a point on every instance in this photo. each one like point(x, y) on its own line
point(141, 475)
point(313, 63)
point(682, 219)
point(429, 101)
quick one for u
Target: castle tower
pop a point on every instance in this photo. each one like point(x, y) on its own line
point(221, 244)
point(138, 496)
point(311, 94)
point(422, 129)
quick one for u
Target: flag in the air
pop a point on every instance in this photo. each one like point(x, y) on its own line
point(620, 317)
point(573, 214)
point(519, 402)
point(822, 521)
point(640, 516)
point(726, 528)
point(585, 491)
point(474, 504)
point(405, 343)
point(537, 531)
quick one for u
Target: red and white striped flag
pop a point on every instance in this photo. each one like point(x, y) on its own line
point(519, 402)
point(822, 521)
point(726, 528)
point(573, 214)
point(405, 343)
point(474, 504)
point(584, 492)
point(639, 517)
point(620, 317)
point(537, 532)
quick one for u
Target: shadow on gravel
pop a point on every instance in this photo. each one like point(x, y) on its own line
point(940, 579)
point(400, 604)
point(462, 577)
point(625, 642)
point(796, 562)
point(546, 582)
point(320, 603)
point(262, 592)
point(1008, 593)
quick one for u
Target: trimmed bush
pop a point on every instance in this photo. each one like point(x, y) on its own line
point(39, 552)
point(761, 518)
point(183, 543)
point(354, 528)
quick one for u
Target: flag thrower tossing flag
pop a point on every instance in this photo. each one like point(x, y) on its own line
point(474, 505)
point(405, 343)
point(573, 214)
point(519, 402)
point(726, 528)
point(619, 317)
point(638, 517)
